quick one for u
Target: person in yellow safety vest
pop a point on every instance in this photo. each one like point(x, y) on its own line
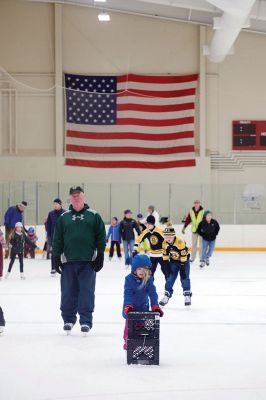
point(194, 217)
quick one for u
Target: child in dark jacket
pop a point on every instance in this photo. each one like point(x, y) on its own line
point(17, 242)
point(28, 249)
point(208, 229)
point(2, 321)
point(139, 290)
point(114, 232)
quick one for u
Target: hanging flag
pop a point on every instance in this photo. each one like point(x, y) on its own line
point(130, 121)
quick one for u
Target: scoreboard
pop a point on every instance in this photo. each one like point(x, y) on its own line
point(249, 135)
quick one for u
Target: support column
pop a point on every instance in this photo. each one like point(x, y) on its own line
point(202, 99)
point(59, 114)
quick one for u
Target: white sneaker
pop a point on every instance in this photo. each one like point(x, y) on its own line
point(165, 299)
point(22, 276)
point(7, 275)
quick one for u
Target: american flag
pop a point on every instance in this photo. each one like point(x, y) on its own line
point(130, 121)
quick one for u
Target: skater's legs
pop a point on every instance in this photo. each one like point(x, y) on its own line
point(164, 268)
point(86, 280)
point(184, 276)
point(210, 248)
point(69, 293)
point(172, 275)
point(20, 258)
point(125, 246)
point(194, 246)
point(1, 260)
point(118, 250)
point(12, 260)
point(154, 262)
point(111, 252)
point(205, 245)
point(2, 319)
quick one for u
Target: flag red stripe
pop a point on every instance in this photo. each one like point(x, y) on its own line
point(159, 122)
point(157, 93)
point(157, 79)
point(130, 164)
point(129, 150)
point(130, 135)
point(157, 109)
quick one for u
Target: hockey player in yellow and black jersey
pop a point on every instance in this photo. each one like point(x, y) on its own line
point(155, 237)
point(175, 252)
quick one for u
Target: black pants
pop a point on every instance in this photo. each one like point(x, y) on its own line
point(158, 260)
point(2, 319)
point(111, 252)
point(12, 260)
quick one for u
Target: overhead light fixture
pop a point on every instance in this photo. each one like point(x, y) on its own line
point(99, 1)
point(103, 17)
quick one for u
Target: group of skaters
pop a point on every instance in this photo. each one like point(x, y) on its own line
point(78, 240)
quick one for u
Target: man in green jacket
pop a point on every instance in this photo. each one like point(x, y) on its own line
point(78, 249)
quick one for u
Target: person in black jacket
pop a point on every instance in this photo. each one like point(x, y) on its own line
point(50, 227)
point(2, 321)
point(17, 242)
point(208, 229)
point(127, 226)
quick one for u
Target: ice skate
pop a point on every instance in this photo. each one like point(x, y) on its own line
point(207, 261)
point(187, 295)
point(202, 264)
point(53, 272)
point(68, 327)
point(7, 275)
point(1, 329)
point(110, 258)
point(85, 330)
point(165, 299)
point(22, 276)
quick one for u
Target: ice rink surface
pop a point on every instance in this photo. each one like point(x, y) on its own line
point(213, 351)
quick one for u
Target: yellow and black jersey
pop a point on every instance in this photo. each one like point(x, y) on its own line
point(155, 238)
point(177, 251)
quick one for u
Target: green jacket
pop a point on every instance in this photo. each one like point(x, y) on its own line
point(78, 234)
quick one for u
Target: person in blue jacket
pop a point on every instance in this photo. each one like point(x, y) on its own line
point(50, 226)
point(139, 290)
point(13, 215)
point(114, 233)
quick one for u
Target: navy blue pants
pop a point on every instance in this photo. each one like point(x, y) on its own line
point(175, 268)
point(78, 292)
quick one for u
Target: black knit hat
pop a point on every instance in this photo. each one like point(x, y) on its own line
point(150, 220)
point(23, 204)
point(169, 230)
point(57, 200)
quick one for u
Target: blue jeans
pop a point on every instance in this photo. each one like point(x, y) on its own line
point(174, 269)
point(207, 249)
point(78, 292)
point(128, 246)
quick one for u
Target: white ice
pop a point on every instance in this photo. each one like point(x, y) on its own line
point(216, 350)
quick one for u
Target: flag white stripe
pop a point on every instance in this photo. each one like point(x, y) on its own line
point(129, 157)
point(130, 143)
point(155, 101)
point(156, 86)
point(156, 115)
point(130, 128)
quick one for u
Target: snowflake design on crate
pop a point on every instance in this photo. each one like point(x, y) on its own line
point(147, 324)
point(148, 351)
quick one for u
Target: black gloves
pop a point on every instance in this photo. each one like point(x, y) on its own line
point(98, 262)
point(58, 264)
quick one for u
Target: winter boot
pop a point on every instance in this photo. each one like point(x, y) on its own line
point(202, 264)
point(165, 299)
point(187, 295)
point(68, 327)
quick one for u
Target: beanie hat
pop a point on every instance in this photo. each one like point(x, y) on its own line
point(150, 220)
point(140, 261)
point(206, 213)
point(18, 224)
point(139, 215)
point(57, 200)
point(169, 230)
point(31, 230)
point(23, 204)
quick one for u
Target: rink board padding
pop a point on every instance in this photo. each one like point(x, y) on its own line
point(143, 342)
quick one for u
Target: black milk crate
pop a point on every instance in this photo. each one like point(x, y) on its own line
point(143, 338)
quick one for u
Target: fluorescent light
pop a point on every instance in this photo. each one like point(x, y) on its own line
point(99, 1)
point(103, 17)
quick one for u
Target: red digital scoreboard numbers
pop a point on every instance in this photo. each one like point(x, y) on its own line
point(249, 135)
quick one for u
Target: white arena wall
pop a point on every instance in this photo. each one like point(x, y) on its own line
point(230, 238)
